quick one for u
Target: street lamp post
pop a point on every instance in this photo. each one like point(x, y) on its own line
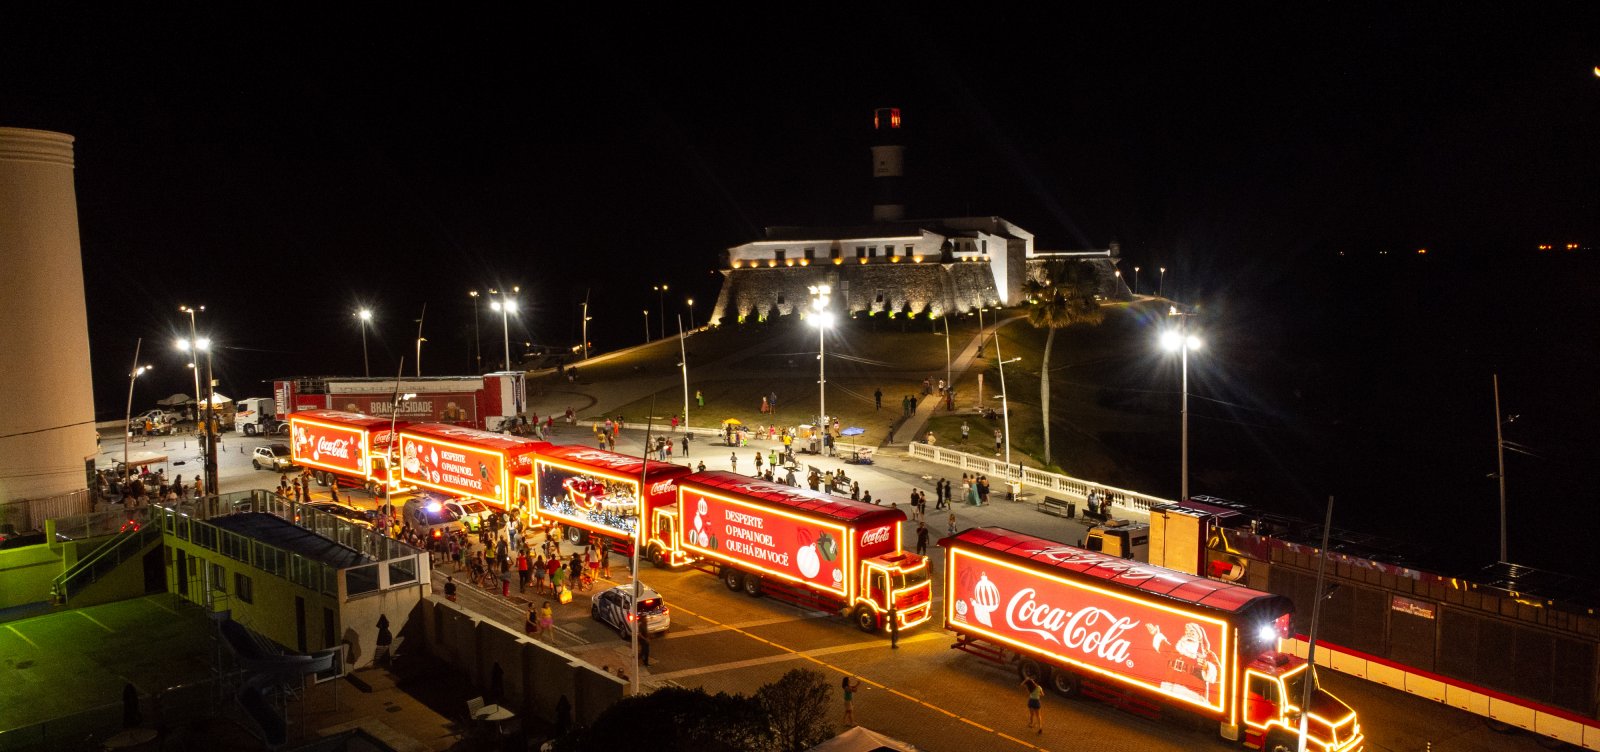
point(365, 315)
point(477, 340)
point(647, 326)
point(949, 382)
point(1161, 291)
point(1136, 281)
point(127, 422)
point(1119, 280)
point(691, 314)
point(1005, 418)
point(824, 319)
point(506, 308)
point(210, 440)
point(1180, 340)
point(194, 357)
point(661, 294)
point(683, 358)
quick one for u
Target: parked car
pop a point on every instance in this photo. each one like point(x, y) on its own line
point(429, 516)
point(354, 514)
point(611, 609)
point(473, 514)
point(160, 422)
point(272, 457)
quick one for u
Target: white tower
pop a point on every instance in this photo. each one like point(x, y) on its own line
point(888, 166)
point(46, 394)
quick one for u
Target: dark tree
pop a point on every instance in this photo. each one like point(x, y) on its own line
point(681, 720)
point(1062, 295)
point(797, 707)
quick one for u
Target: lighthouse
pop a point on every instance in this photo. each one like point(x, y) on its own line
point(888, 166)
point(47, 437)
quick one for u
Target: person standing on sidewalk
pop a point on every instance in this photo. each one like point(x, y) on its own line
point(922, 538)
point(1035, 700)
point(850, 686)
point(733, 462)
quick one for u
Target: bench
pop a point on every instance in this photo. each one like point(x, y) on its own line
point(1058, 507)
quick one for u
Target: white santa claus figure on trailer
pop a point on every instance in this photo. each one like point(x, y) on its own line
point(1192, 669)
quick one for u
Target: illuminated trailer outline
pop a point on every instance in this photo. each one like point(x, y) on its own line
point(466, 462)
point(1085, 614)
point(364, 456)
point(876, 576)
point(567, 467)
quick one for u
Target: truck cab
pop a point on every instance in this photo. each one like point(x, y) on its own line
point(1123, 539)
point(257, 415)
point(898, 582)
point(1274, 688)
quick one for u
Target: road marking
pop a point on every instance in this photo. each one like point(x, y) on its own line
point(811, 655)
point(95, 621)
point(719, 627)
point(790, 654)
point(23, 636)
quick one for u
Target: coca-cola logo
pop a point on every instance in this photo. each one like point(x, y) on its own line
point(662, 487)
point(875, 536)
point(333, 448)
point(1090, 630)
point(596, 457)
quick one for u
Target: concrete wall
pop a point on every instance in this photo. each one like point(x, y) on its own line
point(358, 620)
point(923, 288)
point(46, 396)
point(534, 676)
point(26, 574)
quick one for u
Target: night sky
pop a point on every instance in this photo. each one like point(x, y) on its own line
point(285, 166)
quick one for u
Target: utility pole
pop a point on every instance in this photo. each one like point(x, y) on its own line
point(420, 340)
point(683, 357)
point(1311, 642)
point(1500, 456)
point(586, 324)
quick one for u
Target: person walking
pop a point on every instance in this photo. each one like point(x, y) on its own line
point(877, 398)
point(849, 685)
point(1035, 700)
point(952, 528)
point(450, 588)
point(538, 570)
point(965, 430)
point(922, 538)
point(699, 399)
point(524, 571)
point(686, 442)
point(999, 438)
point(733, 461)
point(644, 647)
point(758, 461)
point(547, 622)
point(530, 626)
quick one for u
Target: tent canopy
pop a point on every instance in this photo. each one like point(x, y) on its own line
point(140, 459)
point(858, 739)
point(175, 400)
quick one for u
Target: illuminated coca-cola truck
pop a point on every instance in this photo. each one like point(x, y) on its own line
point(595, 494)
point(351, 449)
point(812, 549)
point(1146, 638)
point(466, 462)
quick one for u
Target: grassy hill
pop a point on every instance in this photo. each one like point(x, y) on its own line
point(1115, 394)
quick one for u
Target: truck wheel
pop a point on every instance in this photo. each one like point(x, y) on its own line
point(733, 578)
point(577, 536)
point(1028, 668)
point(752, 585)
point(322, 479)
point(1281, 742)
point(1064, 682)
point(374, 489)
point(658, 557)
point(249, 430)
point(866, 619)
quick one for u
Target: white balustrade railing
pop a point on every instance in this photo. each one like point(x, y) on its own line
point(1074, 489)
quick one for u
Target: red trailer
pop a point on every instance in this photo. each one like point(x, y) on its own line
point(594, 493)
point(350, 449)
point(466, 461)
point(813, 549)
point(1148, 638)
point(474, 401)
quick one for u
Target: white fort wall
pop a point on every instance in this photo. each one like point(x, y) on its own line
point(46, 395)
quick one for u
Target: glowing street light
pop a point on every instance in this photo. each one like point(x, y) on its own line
point(691, 314)
point(194, 357)
point(210, 441)
point(1180, 340)
point(646, 326)
point(1162, 290)
point(506, 308)
point(365, 315)
point(661, 294)
point(127, 423)
point(822, 319)
point(477, 341)
point(1136, 281)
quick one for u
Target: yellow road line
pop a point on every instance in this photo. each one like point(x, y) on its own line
point(863, 679)
point(94, 621)
point(23, 636)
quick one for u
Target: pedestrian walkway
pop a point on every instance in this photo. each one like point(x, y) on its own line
point(911, 429)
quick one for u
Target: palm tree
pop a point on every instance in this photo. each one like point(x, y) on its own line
point(1062, 295)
